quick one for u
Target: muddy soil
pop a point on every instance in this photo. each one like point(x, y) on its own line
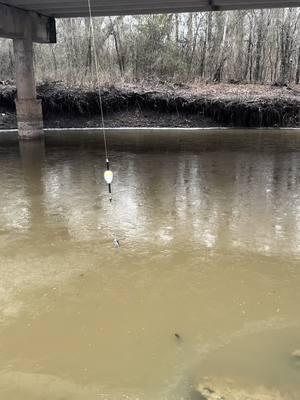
point(161, 105)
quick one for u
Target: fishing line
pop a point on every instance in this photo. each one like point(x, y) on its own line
point(108, 174)
point(97, 77)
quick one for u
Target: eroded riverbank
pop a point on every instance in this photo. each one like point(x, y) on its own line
point(162, 105)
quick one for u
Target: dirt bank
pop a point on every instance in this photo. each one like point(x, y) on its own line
point(162, 105)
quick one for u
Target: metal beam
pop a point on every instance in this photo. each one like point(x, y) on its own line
point(16, 23)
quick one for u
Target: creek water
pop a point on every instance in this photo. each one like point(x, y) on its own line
point(205, 283)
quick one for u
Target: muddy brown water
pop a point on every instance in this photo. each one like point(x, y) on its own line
point(206, 281)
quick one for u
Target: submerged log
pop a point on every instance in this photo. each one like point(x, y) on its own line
point(218, 389)
point(296, 354)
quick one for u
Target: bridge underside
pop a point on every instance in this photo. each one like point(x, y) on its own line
point(28, 21)
point(79, 8)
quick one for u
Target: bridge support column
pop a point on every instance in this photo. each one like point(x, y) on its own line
point(29, 109)
point(26, 27)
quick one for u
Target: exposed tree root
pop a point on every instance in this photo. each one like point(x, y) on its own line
point(242, 107)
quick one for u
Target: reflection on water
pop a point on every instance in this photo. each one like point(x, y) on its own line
point(210, 249)
point(206, 198)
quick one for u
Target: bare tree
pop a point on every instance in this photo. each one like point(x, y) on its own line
point(242, 46)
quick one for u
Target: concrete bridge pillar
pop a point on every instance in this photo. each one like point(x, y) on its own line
point(29, 109)
point(26, 27)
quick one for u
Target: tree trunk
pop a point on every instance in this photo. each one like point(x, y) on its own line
point(221, 57)
point(257, 72)
point(248, 56)
point(119, 56)
point(298, 68)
